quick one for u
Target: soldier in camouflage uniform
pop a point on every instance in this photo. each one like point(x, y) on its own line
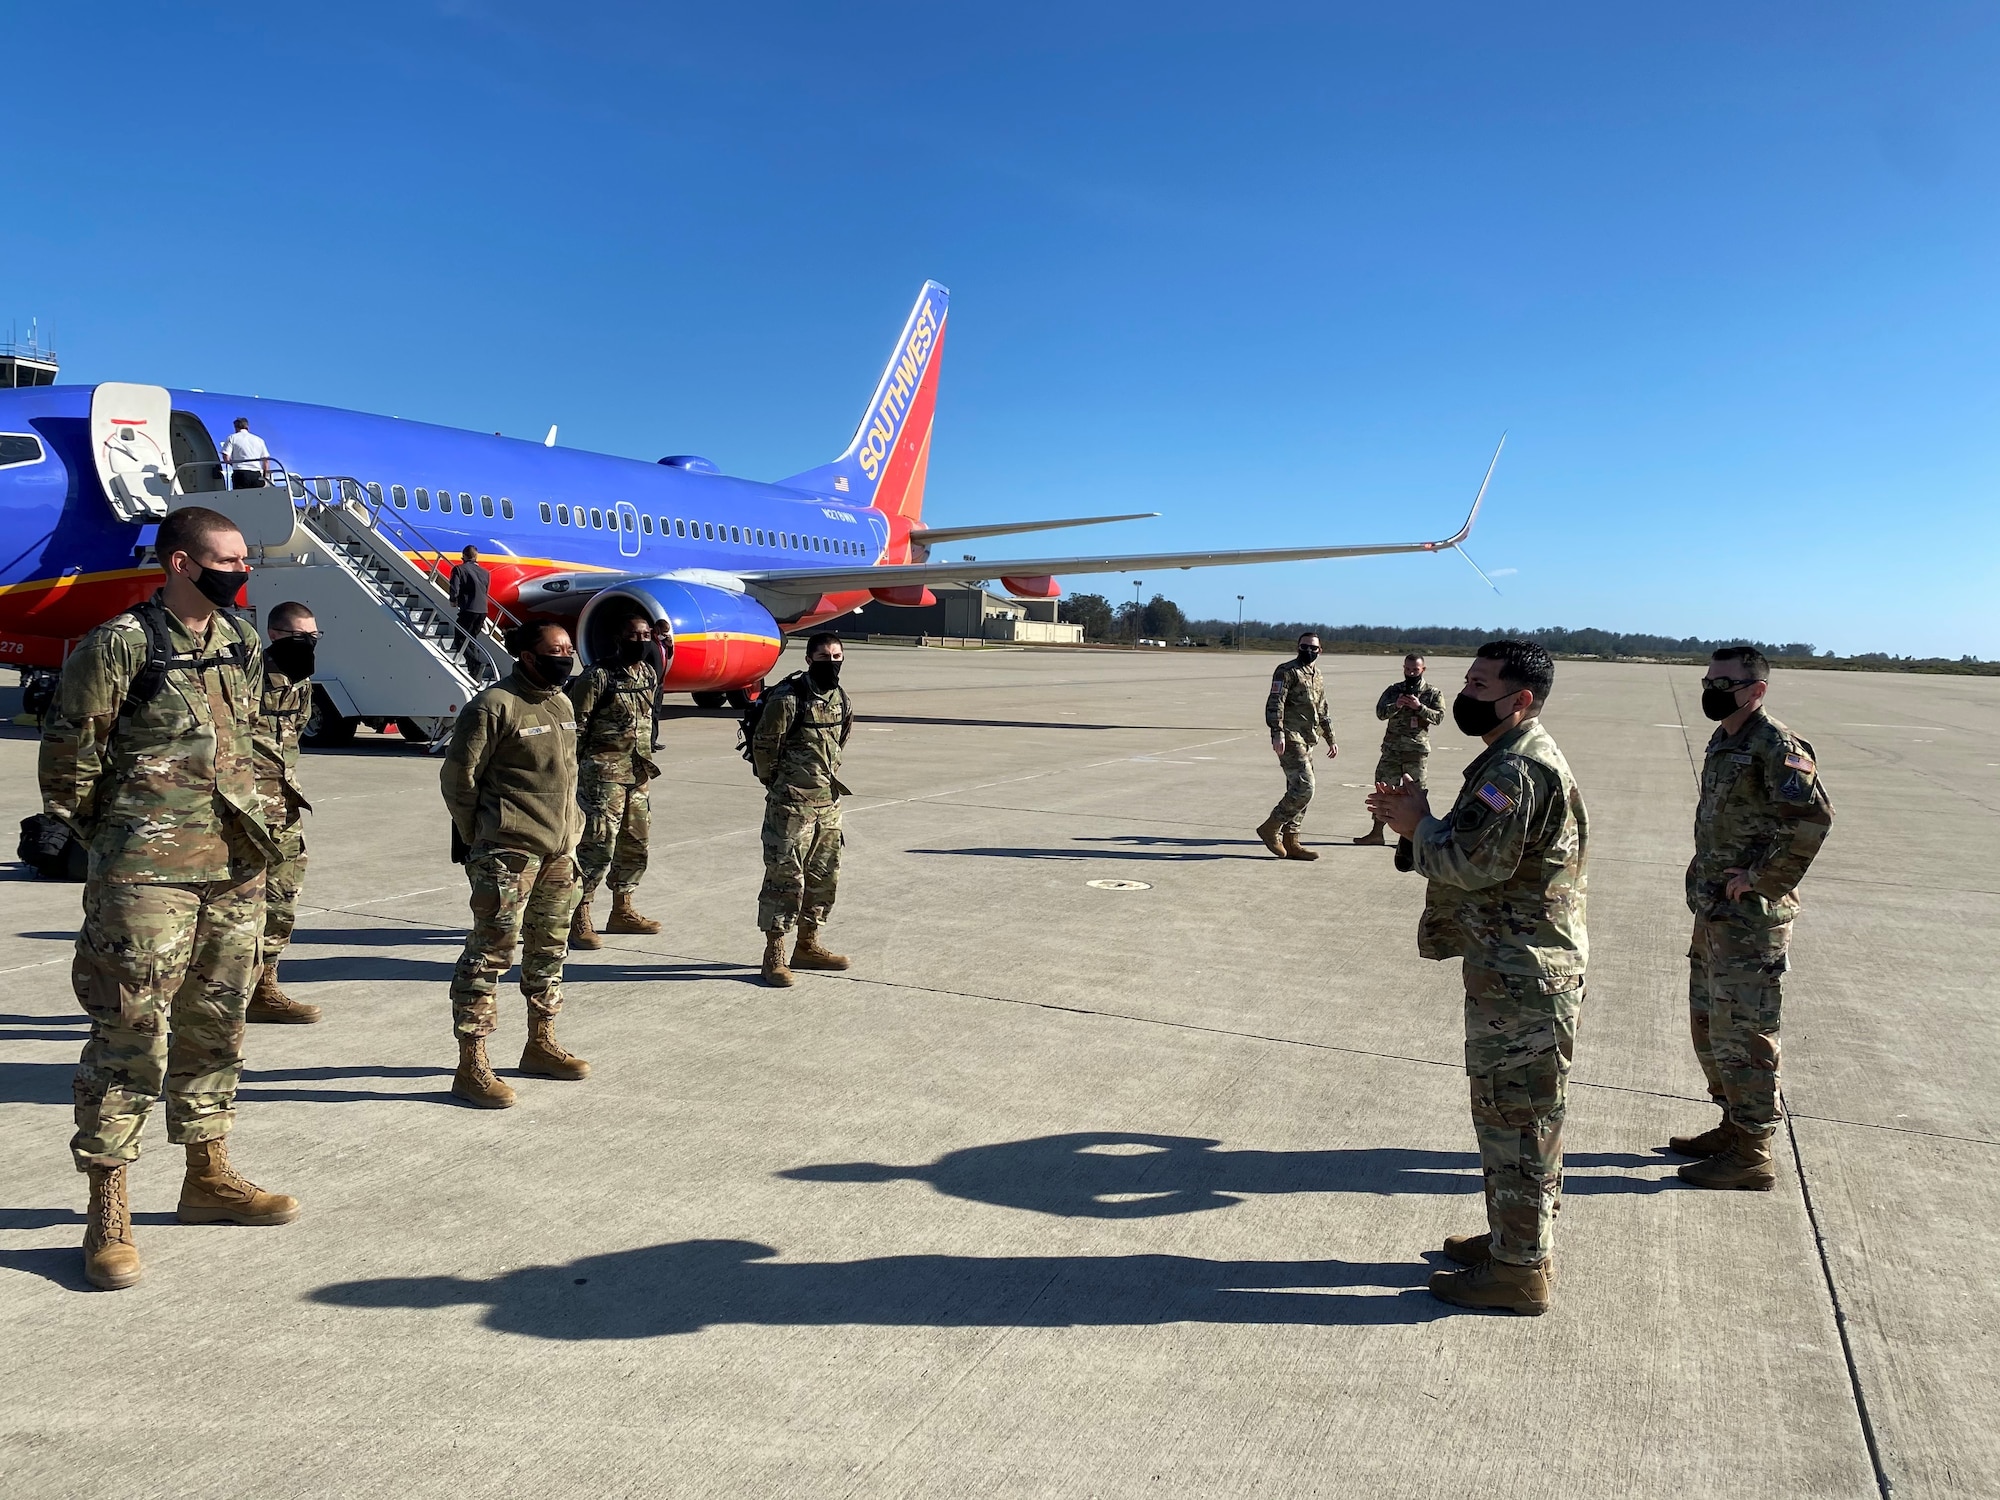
point(1506, 895)
point(282, 715)
point(509, 782)
point(146, 754)
point(801, 729)
point(1408, 709)
point(614, 714)
point(1294, 712)
point(1763, 814)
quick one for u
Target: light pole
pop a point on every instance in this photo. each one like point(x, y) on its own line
point(1239, 622)
point(1135, 612)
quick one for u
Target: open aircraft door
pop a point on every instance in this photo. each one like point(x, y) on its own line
point(131, 439)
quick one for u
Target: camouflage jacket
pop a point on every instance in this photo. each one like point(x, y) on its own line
point(281, 718)
point(1764, 810)
point(1297, 705)
point(799, 738)
point(614, 722)
point(1506, 865)
point(1409, 726)
point(166, 792)
point(509, 777)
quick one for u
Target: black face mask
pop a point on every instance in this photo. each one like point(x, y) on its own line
point(1308, 654)
point(553, 670)
point(1719, 703)
point(292, 655)
point(1413, 683)
point(825, 675)
point(220, 586)
point(631, 653)
point(1477, 717)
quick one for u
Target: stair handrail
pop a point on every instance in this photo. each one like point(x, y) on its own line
point(368, 502)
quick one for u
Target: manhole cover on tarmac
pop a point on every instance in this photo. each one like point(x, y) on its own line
point(1118, 885)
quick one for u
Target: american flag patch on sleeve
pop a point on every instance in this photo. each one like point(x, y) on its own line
point(1494, 798)
point(1798, 762)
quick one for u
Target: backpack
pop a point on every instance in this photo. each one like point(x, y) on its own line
point(51, 850)
point(162, 658)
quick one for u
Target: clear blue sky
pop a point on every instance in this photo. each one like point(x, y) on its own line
point(1728, 274)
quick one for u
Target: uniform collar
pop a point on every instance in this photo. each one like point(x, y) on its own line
point(1506, 742)
point(1722, 741)
point(517, 682)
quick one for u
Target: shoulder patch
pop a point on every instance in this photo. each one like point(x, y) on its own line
point(1494, 798)
point(1794, 788)
point(1800, 763)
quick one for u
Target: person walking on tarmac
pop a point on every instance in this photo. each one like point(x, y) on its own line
point(509, 781)
point(146, 755)
point(1408, 709)
point(471, 586)
point(1295, 710)
point(285, 706)
point(614, 714)
point(801, 728)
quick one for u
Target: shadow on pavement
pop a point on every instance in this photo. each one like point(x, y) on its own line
point(1081, 856)
point(658, 1290)
point(1120, 1175)
point(1037, 724)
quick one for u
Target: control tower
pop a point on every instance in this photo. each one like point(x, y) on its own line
point(25, 361)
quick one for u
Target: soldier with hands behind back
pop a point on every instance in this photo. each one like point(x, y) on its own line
point(1506, 895)
point(1762, 817)
point(1408, 709)
point(802, 726)
point(285, 706)
point(1294, 712)
point(614, 714)
point(146, 753)
point(509, 781)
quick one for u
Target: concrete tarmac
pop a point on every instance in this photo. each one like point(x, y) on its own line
point(1062, 1190)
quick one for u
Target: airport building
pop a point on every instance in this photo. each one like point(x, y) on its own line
point(969, 614)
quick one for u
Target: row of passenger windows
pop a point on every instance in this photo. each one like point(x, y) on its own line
point(595, 519)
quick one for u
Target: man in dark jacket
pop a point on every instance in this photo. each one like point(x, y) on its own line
point(471, 585)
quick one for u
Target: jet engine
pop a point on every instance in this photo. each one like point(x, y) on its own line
point(713, 637)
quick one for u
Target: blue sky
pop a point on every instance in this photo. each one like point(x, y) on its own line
point(1727, 275)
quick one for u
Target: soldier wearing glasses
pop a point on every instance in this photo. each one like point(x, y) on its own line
point(1763, 815)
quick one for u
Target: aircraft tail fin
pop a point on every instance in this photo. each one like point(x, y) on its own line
point(885, 464)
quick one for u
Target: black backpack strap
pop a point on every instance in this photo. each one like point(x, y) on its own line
point(150, 678)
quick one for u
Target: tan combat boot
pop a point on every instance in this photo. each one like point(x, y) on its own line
point(216, 1193)
point(625, 916)
point(1708, 1143)
point(581, 933)
point(545, 1057)
point(1268, 832)
point(474, 1082)
point(269, 1003)
point(775, 972)
point(1477, 1249)
point(1746, 1164)
point(808, 954)
point(1495, 1285)
point(110, 1258)
point(1373, 836)
point(1294, 849)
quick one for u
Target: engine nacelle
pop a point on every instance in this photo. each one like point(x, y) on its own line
point(715, 638)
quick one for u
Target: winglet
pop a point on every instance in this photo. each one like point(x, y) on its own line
point(1473, 514)
point(550, 440)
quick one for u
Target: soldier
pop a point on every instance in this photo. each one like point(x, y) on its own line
point(1506, 894)
point(285, 707)
point(614, 715)
point(146, 753)
point(1408, 709)
point(509, 780)
point(1294, 711)
point(1763, 815)
point(801, 729)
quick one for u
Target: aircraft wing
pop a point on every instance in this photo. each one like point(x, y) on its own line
point(938, 536)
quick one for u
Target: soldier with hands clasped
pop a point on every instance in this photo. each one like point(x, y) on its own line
point(802, 727)
point(1407, 709)
point(281, 718)
point(146, 754)
point(614, 715)
point(1295, 712)
point(1762, 816)
point(1505, 868)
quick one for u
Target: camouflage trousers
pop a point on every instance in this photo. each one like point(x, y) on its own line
point(164, 973)
point(617, 823)
point(1398, 760)
point(282, 884)
point(1735, 994)
point(1519, 1041)
point(517, 899)
point(1298, 767)
point(801, 863)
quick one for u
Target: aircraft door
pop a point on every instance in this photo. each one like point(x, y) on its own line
point(628, 528)
point(131, 439)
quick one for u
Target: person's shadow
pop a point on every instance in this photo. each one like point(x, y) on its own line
point(657, 1290)
point(1116, 1174)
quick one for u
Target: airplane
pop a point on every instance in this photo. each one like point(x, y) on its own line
point(724, 568)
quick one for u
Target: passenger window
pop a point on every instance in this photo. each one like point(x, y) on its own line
point(545, 512)
point(375, 492)
point(506, 508)
point(19, 448)
point(646, 524)
point(562, 515)
point(596, 519)
point(680, 527)
point(399, 497)
point(298, 488)
point(324, 488)
point(423, 498)
point(465, 503)
point(486, 505)
point(625, 520)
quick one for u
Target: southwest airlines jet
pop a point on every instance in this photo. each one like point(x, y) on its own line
point(723, 567)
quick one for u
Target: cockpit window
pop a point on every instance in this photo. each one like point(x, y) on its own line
point(19, 448)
